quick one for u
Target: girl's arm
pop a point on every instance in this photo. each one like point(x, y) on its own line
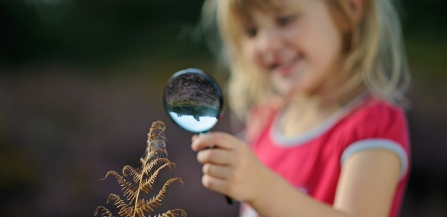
point(367, 183)
point(366, 186)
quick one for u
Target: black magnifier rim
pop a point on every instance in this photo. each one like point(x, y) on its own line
point(206, 76)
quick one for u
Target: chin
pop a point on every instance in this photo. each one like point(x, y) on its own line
point(295, 91)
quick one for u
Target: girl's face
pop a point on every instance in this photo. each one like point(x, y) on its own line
point(298, 45)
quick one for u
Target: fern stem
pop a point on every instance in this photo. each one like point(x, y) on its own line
point(139, 186)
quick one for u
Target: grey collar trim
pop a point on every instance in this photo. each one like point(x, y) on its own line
point(283, 141)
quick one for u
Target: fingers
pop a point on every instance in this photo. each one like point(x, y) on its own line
point(215, 156)
point(196, 136)
point(214, 183)
point(215, 139)
point(220, 172)
point(216, 177)
point(227, 166)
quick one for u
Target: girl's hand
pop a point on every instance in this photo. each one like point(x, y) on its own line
point(231, 168)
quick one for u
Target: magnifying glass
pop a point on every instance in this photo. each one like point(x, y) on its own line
point(193, 101)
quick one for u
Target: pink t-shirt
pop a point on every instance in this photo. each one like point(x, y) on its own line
point(312, 162)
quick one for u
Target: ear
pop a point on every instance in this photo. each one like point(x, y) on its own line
point(357, 7)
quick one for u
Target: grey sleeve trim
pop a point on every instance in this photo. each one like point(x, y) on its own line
point(387, 144)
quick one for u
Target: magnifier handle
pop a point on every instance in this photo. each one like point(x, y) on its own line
point(229, 200)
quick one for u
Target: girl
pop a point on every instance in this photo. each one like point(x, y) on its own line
point(317, 82)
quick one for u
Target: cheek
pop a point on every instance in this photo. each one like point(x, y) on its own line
point(322, 55)
point(320, 39)
point(253, 57)
point(248, 53)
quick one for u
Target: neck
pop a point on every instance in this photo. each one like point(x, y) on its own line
point(305, 112)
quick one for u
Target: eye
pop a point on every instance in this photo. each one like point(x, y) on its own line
point(286, 19)
point(250, 32)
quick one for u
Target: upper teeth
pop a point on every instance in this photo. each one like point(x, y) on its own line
point(290, 60)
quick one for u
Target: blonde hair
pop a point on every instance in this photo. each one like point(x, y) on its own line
point(374, 54)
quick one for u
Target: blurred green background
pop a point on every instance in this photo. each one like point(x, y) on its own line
point(81, 82)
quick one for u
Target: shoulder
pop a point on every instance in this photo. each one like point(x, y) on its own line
point(377, 124)
point(377, 110)
point(377, 118)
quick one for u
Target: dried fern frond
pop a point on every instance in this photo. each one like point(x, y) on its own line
point(156, 200)
point(105, 212)
point(152, 162)
point(147, 184)
point(136, 173)
point(173, 213)
point(116, 201)
point(130, 191)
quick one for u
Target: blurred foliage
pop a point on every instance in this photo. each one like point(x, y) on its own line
point(425, 33)
point(100, 32)
point(94, 32)
point(424, 16)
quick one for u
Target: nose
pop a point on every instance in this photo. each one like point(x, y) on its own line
point(268, 45)
point(269, 41)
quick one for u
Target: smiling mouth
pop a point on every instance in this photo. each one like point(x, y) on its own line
point(285, 68)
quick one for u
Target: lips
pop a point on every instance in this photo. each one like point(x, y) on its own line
point(286, 67)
